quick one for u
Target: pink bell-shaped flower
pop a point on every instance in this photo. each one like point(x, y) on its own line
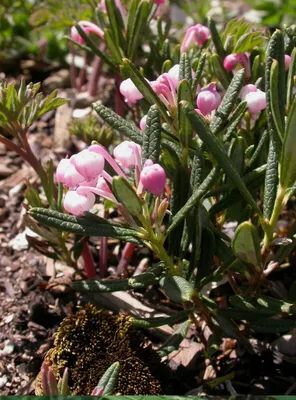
point(61, 170)
point(198, 34)
point(77, 204)
point(232, 60)
point(89, 164)
point(173, 73)
point(102, 185)
point(208, 99)
point(127, 153)
point(255, 98)
point(72, 178)
point(153, 178)
point(87, 26)
point(129, 91)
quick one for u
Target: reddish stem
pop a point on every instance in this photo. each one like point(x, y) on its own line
point(30, 158)
point(96, 72)
point(126, 256)
point(103, 256)
point(89, 265)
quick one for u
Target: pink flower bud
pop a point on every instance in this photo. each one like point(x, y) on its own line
point(72, 178)
point(246, 90)
point(208, 100)
point(77, 204)
point(102, 185)
point(129, 91)
point(256, 101)
point(61, 170)
point(255, 98)
point(231, 61)
point(198, 34)
point(287, 62)
point(143, 122)
point(89, 164)
point(125, 153)
point(174, 74)
point(158, 2)
point(153, 178)
point(87, 26)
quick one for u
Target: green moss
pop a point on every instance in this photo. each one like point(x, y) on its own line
point(91, 340)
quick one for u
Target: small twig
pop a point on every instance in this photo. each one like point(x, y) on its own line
point(12, 146)
point(89, 265)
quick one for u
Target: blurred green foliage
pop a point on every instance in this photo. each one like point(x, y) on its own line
point(35, 28)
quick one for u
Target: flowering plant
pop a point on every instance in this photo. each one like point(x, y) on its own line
point(210, 139)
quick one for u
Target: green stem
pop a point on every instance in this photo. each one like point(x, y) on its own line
point(279, 205)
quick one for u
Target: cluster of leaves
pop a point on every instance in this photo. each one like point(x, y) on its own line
point(18, 38)
point(234, 171)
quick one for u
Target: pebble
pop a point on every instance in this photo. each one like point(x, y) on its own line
point(8, 348)
point(3, 381)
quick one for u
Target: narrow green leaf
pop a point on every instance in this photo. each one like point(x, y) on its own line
point(215, 147)
point(216, 39)
point(288, 160)
point(140, 281)
point(258, 149)
point(138, 27)
point(273, 325)
point(131, 19)
point(248, 303)
point(177, 288)
point(185, 71)
point(147, 323)
point(290, 79)
point(274, 99)
point(246, 244)
point(175, 340)
point(275, 51)
point(144, 87)
point(84, 226)
point(244, 315)
point(198, 72)
point(228, 102)
point(118, 123)
point(116, 23)
point(114, 49)
point(92, 47)
point(127, 196)
point(185, 128)
point(235, 118)
point(222, 75)
point(194, 199)
point(152, 136)
point(207, 253)
point(109, 380)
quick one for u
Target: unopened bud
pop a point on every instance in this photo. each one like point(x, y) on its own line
point(153, 178)
point(77, 204)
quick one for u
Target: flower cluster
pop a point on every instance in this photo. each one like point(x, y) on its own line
point(85, 176)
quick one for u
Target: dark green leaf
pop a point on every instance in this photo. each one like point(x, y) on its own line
point(177, 288)
point(152, 136)
point(118, 123)
point(147, 323)
point(84, 226)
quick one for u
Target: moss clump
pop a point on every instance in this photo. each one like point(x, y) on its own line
point(90, 341)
